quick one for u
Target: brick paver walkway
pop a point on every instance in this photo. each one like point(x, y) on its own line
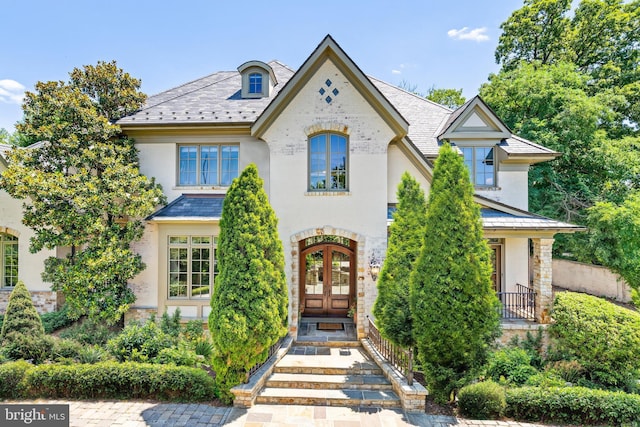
point(142, 413)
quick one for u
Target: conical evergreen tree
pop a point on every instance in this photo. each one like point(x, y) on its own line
point(392, 309)
point(455, 309)
point(249, 307)
point(21, 316)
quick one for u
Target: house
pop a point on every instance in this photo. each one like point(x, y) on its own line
point(331, 144)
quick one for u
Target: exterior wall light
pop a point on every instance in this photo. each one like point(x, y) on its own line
point(374, 267)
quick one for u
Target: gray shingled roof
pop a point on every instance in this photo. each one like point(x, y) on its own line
point(215, 99)
point(494, 219)
point(192, 206)
point(211, 99)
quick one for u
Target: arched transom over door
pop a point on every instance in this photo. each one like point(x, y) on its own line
point(328, 273)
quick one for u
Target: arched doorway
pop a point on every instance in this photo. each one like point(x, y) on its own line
point(327, 276)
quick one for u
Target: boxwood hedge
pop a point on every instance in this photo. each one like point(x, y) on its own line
point(574, 405)
point(106, 380)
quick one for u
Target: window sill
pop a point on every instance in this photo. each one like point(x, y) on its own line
point(327, 193)
point(483, 188)
point(192, 188)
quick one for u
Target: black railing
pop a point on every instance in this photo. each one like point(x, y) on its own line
point(398, 357)
point(272, 350)
point(518, 305)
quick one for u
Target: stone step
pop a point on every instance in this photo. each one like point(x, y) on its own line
point(329, 382)
point(299, 396)
point(327, 360)
point(314, 342)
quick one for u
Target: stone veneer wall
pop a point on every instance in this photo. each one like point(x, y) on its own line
point(519, 329)
point(44, 301)
point(139, 313)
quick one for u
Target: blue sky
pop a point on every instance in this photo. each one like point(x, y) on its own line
point(449, 44)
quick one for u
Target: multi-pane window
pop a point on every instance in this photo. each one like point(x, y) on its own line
point(192, 266)
point(207, 164)
point(8, 260)
point(481, 164)
point(328, 169)
point(255, 83)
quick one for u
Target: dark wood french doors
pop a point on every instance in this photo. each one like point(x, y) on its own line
point(327, 281)
point(496, 263)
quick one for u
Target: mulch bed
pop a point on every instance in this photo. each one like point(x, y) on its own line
point(431, 407)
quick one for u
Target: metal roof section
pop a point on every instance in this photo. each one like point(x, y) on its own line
point(191, 207)
point(493, 219)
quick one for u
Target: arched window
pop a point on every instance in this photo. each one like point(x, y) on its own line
point(328, 162)
point(8, 260)
point(255, 83)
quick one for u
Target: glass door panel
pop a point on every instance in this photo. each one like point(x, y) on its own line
point(314, 276)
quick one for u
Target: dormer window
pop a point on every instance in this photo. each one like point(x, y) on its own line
point(258, 79)
point(255, 83)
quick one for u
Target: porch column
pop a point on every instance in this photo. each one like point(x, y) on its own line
point(542, 276)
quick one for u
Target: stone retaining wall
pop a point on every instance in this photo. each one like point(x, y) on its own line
point(44, 301)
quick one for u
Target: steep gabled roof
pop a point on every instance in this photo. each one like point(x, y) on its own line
point(213, 99)
point(329, 49)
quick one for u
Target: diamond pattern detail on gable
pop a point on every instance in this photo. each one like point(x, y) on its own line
point(322, 91)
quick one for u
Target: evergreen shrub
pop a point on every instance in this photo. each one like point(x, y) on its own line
point(139, 342)
point(602, 337)
point(573, 405)
point(482, 401)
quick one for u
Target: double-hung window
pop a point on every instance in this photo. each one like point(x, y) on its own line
point(8, 260)
point(328, 162)
point(481, 164)
point(192, 266)
point(207, 164)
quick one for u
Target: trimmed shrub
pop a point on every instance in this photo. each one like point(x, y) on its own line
point(193, 331)
point(21, 316)
point(453, 304)
point(392, 309)
point(111, 380)
point(36, 349)
point(55, 320)
point(574, 405)
point(510, 364)
point(483, 401)
point(11, 379)
point(249, 306)
point(602, 337)
point(139, 343)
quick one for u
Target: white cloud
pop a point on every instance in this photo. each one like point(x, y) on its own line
point(396, 72)
point(477, 34)
point(11, 91)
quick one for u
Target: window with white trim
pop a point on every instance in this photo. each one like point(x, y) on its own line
point(8, 260)
point(207, 164)
point(192, 266)
point(328, 162)
point(481, 164)
point(255, 83)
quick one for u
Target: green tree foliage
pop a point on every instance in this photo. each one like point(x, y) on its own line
point(571, 81)
point(21, 316)
point(84, 187)
point(601, 40)
point(455, 310)
point(391, 309)
point(250, 297)
point(452, 98)
point(601, 336)
point(615, 234)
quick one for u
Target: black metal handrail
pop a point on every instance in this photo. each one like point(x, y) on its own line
point(398, 357)
point(272, 350)
point(518, 305)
